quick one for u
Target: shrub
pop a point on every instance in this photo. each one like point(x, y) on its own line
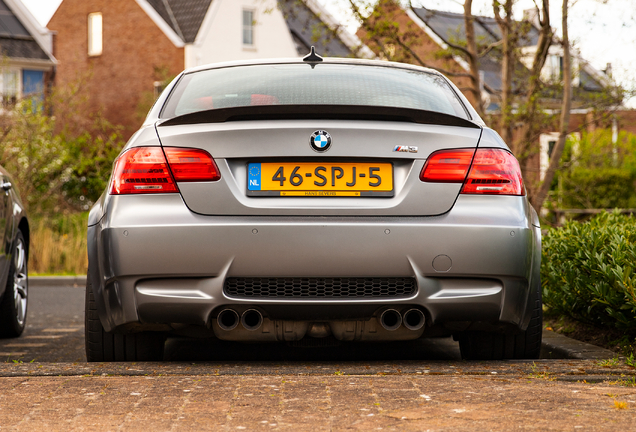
point(60, 165)
point(597, 172)
point(91, 160)
point(588, 270)
point(35, 156)
point(57, 169)
point(599, 188)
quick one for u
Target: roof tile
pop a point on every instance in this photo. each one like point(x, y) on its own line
point(183, 16)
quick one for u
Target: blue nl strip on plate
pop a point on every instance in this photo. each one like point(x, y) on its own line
point(254, 176)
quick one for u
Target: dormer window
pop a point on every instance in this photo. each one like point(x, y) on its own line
point(248, 27)
point(95, 34)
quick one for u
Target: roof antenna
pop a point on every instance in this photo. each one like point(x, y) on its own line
point(312, 57)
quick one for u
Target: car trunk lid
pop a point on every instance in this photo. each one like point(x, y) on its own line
point(403, 146)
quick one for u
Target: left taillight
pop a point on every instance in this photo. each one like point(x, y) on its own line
point(191, 165)
point(143, 170)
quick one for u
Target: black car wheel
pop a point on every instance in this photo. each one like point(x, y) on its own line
point(493, 346)
point(110, 346)
point(13, 308)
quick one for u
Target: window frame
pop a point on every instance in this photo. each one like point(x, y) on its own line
point(251, 28)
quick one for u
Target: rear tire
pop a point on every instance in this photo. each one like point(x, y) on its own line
point(103, 346)
point(13, 308)
point(494, 346)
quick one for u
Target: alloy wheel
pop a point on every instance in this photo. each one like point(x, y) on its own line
point(20, 286)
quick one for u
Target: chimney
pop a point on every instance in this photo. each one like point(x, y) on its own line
point(532, 16)
point(608, 70)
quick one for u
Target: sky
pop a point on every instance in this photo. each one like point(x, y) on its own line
point(604, 31)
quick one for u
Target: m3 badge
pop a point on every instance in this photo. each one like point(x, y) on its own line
point(405, 149)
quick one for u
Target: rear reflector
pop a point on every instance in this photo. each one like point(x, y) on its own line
point(142, 170)
point(447, 166)
point(190, 165)
point(493, 171)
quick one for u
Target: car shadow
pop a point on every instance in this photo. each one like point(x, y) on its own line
point(191, 349)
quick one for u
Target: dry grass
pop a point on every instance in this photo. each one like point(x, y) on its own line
point(58, 246)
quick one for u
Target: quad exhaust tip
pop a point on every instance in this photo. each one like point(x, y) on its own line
point(227, 319)
point(391, 319)
point(252, 319)
point(413, 319)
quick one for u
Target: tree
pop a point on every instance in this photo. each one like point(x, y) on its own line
point(527, 100)
point(509, 36)
point(473, 56)
point(538, 200)
point(387, 32)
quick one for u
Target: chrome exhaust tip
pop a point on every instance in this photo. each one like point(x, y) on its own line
point(251, 319)
point(391, 319)
point(227, 319)
point(413, 319)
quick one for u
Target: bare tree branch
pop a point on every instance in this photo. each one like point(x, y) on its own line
point(473, 58)
point(490, 48)
point(458, 47)
point(509, 37)
point(382, 33)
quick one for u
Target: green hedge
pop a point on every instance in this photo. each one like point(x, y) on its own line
point(588, 270)
point(600, 188)
point(598, 171)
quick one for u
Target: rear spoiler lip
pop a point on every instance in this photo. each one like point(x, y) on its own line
point(319, 112)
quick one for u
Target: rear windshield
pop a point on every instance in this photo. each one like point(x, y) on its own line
point(300, 84)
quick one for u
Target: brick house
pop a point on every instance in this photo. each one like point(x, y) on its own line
point(125, 49)
point(436, 29)
point(27, 62)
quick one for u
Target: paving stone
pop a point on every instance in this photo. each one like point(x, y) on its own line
point(444, 401)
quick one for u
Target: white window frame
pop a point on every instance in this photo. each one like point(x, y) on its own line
point(95, 34)
point(544, 142)
point(15, 92)
point(251, 28)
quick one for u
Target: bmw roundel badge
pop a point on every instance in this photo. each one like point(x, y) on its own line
point(320, 141)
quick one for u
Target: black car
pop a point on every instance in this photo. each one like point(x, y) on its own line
point(14, 255)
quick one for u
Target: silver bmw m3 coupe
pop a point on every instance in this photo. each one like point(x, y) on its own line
point(300, 199)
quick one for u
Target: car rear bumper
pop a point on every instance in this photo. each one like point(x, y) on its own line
point(153, 262)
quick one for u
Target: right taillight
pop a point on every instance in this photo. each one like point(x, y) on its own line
point(492, 172)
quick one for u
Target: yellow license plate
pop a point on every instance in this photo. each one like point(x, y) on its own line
point(310, 179)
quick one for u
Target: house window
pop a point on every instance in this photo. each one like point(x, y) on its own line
point(10, 88)
point(95, 34)
point(547, 143)
point(32, 83)
point(248, 27)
